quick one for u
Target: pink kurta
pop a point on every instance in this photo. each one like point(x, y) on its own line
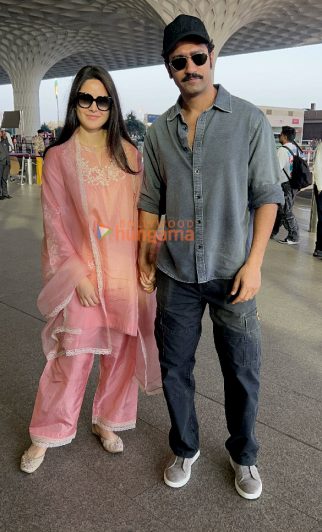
point(90, 226)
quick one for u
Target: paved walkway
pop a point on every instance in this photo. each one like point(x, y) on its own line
point(83, 489)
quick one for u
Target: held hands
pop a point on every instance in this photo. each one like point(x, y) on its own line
point(87, 293)
point(246, 283)
point(147, 277)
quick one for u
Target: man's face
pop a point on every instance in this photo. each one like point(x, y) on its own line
point(192, 80)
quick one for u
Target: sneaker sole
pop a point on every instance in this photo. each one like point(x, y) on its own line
point(249, 496)
point(183, 482)
point(290, 243)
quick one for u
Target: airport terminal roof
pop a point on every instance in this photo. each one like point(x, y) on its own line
point(65, 35)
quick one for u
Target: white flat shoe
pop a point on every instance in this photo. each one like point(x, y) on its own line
point(111, 446)
point(29, 464)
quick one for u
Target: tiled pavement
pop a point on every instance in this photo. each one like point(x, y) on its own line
point(81, 488)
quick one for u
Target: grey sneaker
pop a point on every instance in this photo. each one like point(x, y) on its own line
point(288, 241)
point(178, 471)
point(247, 480)
point(317, 253)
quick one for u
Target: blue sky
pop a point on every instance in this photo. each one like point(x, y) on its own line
point(265, 78)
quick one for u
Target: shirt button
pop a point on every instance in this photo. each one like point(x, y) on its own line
point(185, 149)
point(198, 197)
point(199, 221)
point(200, 246)
point(197, 171)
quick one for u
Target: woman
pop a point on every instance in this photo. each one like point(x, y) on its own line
point(91, 297)
point(317, 176)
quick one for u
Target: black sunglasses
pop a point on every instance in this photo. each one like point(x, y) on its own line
point(180, 62)
point(85, 100)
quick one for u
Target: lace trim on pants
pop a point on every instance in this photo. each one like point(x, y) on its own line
point(113, 427)
point(41, 441)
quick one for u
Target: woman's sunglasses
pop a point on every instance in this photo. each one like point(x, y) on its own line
point(85, 100)
point(180, 62)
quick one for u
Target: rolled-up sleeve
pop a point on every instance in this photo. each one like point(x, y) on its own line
point(263, 169)
point(152, 190)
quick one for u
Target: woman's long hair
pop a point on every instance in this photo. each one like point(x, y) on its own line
point(115, 125)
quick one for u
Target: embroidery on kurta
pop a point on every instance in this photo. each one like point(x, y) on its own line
point(96, 253)
point(101, 176)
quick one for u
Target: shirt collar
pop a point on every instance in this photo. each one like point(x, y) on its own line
point(222, 102)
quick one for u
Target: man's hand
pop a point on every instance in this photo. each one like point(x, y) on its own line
point(87, 293)
point(148, 224)
point(248, 280)
point(246, 283)
point(147, 277)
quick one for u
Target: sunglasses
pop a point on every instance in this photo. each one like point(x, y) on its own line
point(180, 62)
point(85, 100)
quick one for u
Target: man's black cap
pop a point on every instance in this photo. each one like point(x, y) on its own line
point(181, 27)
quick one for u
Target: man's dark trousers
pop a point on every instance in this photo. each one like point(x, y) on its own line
point(237, 339)
point(4, 174)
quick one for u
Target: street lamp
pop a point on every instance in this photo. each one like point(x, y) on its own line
point(56, 94)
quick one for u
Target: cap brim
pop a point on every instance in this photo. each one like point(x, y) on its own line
point(182, 38)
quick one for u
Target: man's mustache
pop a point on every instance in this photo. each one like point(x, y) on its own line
point(194, 75)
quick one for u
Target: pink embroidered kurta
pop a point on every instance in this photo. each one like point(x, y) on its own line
point(90, 229)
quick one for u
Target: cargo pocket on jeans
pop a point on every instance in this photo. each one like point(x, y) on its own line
point(242, 341)
point(252, 351)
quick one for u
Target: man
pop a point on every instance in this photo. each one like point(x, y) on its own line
point(285, 214)
point(38, 143)
point(317, 175)
point(210, 163)
point(4, 165)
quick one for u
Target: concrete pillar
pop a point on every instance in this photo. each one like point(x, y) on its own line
point(25, 74)
point(25, 84)
point(26, 66)
point(222, 18)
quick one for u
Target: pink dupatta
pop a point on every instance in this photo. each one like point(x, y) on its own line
point(80, 202)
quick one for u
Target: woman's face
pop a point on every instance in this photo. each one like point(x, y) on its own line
point(92, 119)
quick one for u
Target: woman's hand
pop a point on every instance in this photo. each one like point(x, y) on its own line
point(147, 278)
point(87, 293)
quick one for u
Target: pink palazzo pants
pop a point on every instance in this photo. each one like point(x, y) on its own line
point(62, 388)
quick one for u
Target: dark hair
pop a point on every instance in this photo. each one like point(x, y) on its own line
point(115, 125)
point(40, 131)
point(210, 45)
point(289, 133)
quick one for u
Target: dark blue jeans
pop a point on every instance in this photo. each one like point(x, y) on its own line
point(237, 339)
point(285, 214)
point(318, 199)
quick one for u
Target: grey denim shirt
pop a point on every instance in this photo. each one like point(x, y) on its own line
point(208, 194)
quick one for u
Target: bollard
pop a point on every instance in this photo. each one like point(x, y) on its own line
point(22, 175)
point(29, 171)
point(39, 170)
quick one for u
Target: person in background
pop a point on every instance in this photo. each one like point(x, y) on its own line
point(4, 165)
point(317, 180)
point(285, 216)
point(38, 143)
point(210, 164)
point(91, 296)
point(9, 139)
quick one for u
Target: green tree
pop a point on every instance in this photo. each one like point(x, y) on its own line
point(44, 127)
point(58, 131)
point(135, 127)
